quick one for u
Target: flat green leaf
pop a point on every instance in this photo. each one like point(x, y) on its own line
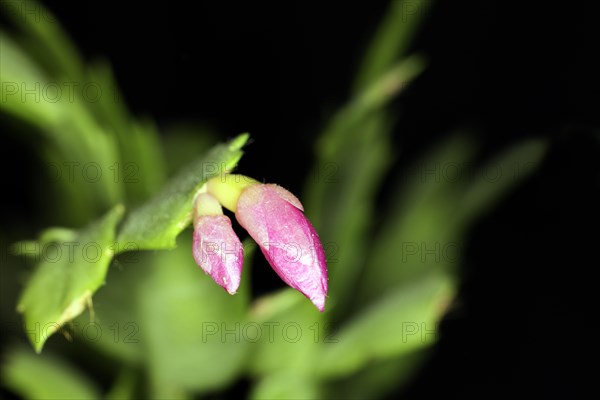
point(44, 376)
point(156, 224)
point(69, 272)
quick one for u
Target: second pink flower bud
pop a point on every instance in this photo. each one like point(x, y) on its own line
point(217, 249)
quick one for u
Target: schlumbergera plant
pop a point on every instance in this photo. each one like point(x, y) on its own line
point(60, 289)
point(166, 330)
point(274, 218)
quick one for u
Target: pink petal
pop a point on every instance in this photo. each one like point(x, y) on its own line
point(286, 237)
point(287, 196)
point(218, 250)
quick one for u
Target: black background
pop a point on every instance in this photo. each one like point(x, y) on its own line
point(526, 320)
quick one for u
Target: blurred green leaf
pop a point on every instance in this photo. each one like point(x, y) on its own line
point(353, 153)
point(498, 176)
point(159, 312)
point(404, 320)
point(115, 311)
point(416, 229)
point(65, 279)
point(183, 141)
point(65, 194)
point(156, 224)
point(77, 149)
point(379, 378)
point(31, 94)
point(45, 38)
point(124, 387)
point(191, 328)
point(20, 71)
point(44, 377)
point(350, 184)
point(46, 84)
point(436, 200)
point(335, 140)
point(141, 167)
point(286, 385)
point(285, 332)
point(392, 39)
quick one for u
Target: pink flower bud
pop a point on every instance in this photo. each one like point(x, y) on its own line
point(217, 249)
point(273, 217)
